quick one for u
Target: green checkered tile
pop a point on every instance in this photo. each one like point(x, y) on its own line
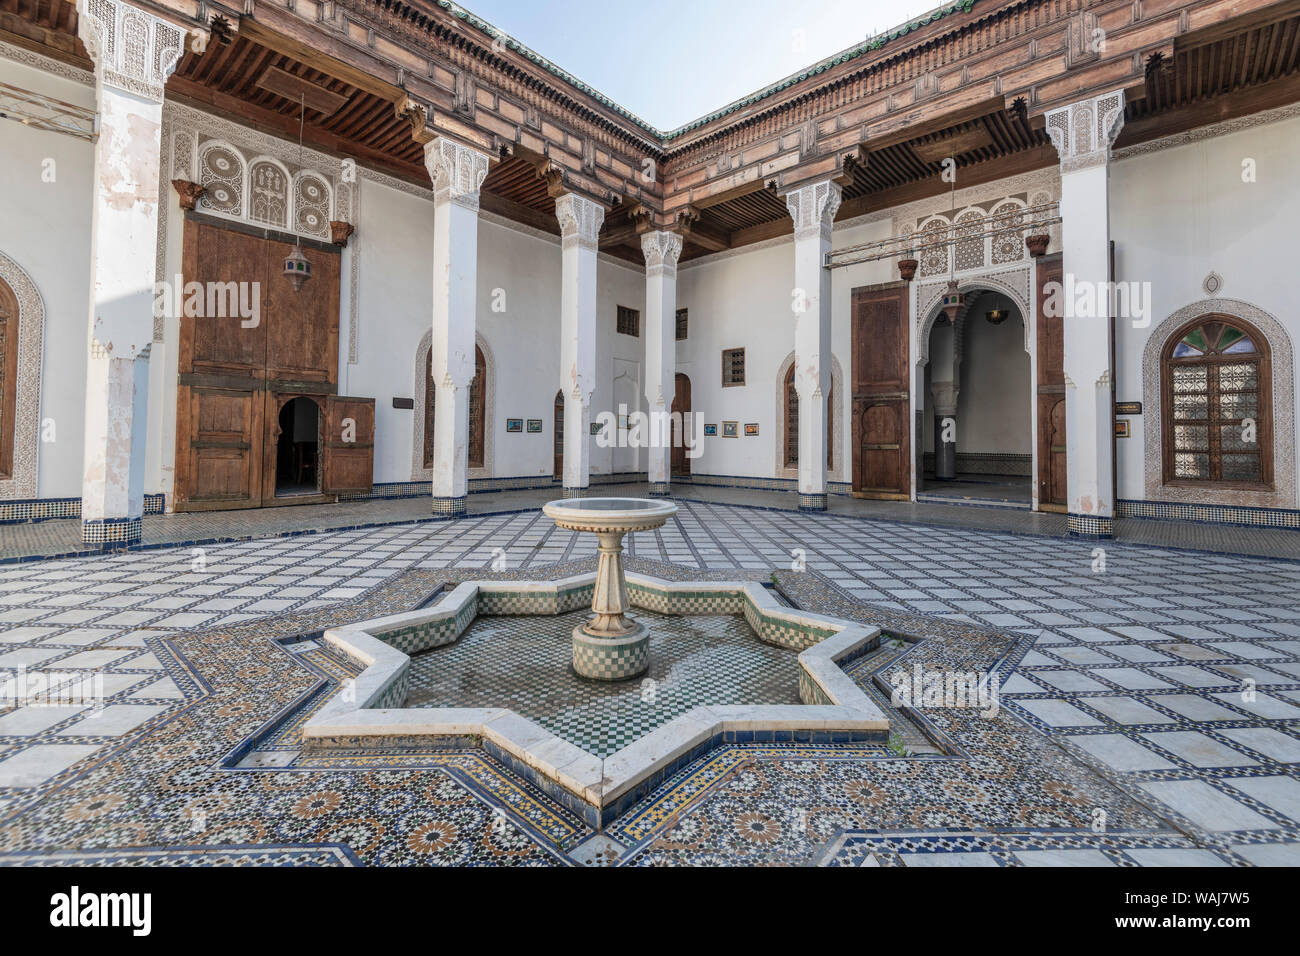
point(525, 664)
point(668, 601)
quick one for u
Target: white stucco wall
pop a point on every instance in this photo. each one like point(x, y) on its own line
point(744, 300)
point(1182, 212)
point(47, 232)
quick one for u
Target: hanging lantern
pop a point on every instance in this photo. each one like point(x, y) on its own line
point(996, 316)
point(297, 268)
point(952, 301)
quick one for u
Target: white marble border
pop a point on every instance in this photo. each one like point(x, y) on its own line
point(597, 782)
point(1283, 494)
point(22, 482)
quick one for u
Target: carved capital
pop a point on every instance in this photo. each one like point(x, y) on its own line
point(661, 251)
point(340, 231)
point(132, 50)
point(580, 220)
point(188, 191)
point(1084, 132)
point(813, 208)
point(457, 171)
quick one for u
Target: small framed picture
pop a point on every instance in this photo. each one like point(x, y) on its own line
point(711, 431)
point(751, 429)
point(514, 424)
point(597, 427)
point(622, 423)
point(731, 429)
point(1121, 429)
point(534, 426)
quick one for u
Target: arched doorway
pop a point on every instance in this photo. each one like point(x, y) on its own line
point(297, 459)
point(681, 410)
point(8, 376)
point(558, 431)
point(977, 438)
point(477, 418)
point(790, 453)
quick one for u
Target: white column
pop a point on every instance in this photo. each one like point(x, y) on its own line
point(813, 209)
point(134, 53)
point(580, 221)
point(661, 250)
point(1083, 133)
point(457, 172)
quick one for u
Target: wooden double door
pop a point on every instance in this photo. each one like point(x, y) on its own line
point(238, 371)
point(1050, 393)
point(882, 463)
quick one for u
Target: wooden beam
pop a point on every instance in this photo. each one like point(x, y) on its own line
point(1235, 26)
point(1216, 109)
point(693, 230)
point(331, 66)
point(911, 131)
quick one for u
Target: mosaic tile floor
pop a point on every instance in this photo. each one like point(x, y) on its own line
point(1150, 709)
point(524, 663)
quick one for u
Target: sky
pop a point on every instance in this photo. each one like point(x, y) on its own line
point(673, 61)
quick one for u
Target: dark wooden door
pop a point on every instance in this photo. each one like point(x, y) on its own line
point(681, 465)
point(221, 366)
point(235, 370)
point(1052, 494)
point(881, 408)
point(558, 472)
point(348, 446)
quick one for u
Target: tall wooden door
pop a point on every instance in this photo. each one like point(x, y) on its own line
point(1052, 494)
point(222, 367)
point(881, 407)
point(558, 430)
point(237, 369)
point(348, 446)
point(679, 462)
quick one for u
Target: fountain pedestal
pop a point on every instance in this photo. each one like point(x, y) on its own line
point(610, 646)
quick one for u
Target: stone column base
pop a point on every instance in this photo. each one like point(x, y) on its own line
point(1090, 526)
point(602, 658)
point(659, 489)
point(448, 508)
point(812, 502)
point(112, 532)
point(575, 492)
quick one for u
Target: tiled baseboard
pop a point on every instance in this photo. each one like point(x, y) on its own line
point(990, 463)
point(1209, 514)
point(20, 511)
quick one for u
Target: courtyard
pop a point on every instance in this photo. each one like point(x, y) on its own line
point(1147, 709)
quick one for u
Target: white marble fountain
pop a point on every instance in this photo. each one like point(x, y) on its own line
point(610, 646)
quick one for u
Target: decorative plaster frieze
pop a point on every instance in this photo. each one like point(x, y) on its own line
point(1083, 132)
point(580, 221)
point(1015, 283)
point(21, 483)
point(133, 51)
point(813, 208)
point(661, 251)
point(46, 64)
point(457, 172)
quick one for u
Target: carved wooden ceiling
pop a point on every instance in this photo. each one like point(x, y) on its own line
point(1230, 67)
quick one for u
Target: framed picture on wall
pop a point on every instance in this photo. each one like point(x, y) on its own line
point(731, 429)
point(751, 429)
point(597, 427)
point(534, 426)
point(514, 424)
point(711, 431)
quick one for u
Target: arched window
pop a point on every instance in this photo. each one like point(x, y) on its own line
point(8, 376)
point(791, 453)
point(477, 404)
point(1217, 401)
